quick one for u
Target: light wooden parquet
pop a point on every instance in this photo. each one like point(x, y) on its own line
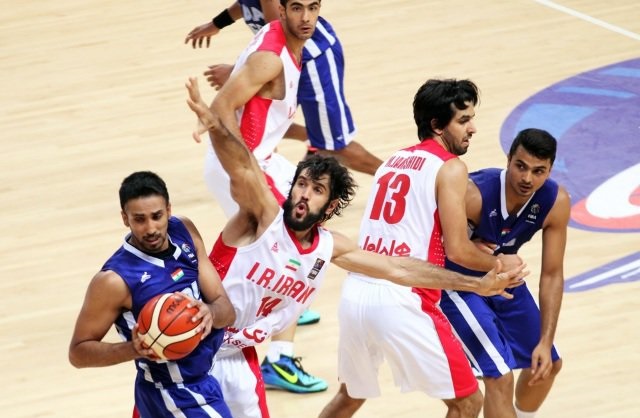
point(93, 90)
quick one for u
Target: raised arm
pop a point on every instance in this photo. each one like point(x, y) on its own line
point(213, 293)
point(409, 271)
point(248, 185)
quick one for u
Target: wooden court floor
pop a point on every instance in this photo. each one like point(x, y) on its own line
point(93, 90)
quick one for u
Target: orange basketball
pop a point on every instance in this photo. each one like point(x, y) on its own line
point(166, 327)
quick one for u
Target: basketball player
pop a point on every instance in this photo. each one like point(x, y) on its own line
point(329, 126)
point(258, 103)
point(505, 208)
point(161, 254)
point(416, 208)
point(272, 259)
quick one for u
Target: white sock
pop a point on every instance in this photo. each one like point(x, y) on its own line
point(278, 348)
point(522, 414)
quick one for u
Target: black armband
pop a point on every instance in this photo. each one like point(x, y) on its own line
point(224, 19)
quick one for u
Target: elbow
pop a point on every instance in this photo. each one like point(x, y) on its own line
point(75, 359)
point(456, 256)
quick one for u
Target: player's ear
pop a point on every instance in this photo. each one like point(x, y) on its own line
point(168, 210)
point(125, 219)
point(331, 207)
point(434, 127)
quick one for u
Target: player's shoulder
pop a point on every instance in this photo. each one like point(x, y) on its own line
point(107, 281)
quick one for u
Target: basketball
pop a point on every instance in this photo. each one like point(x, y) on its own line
point(165, 325)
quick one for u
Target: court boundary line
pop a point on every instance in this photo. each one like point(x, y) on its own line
point(589, 19)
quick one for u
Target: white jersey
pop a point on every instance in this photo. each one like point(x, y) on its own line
point(263, 122)
point(380, 320)
point(270, 282)
point(401, 218)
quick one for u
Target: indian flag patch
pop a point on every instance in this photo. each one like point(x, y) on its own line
point(293, 264)
point(177, 275)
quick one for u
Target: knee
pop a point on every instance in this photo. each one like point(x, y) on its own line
point(556, 367)
point(468, 406)
point(502, 383)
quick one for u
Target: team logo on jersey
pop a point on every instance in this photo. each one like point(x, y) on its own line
point(505, 231)
point(535, 208)
point(493, 213)
point(274, 247)
point(187, 250)
point(317, 266)
point(145, 276)
point(177, 275)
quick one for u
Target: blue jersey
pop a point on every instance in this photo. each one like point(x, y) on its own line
point(148, 276)
point(500, 334)
point(321, 40)
point(496, 225)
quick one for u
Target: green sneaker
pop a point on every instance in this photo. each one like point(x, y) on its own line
point(308, 317)
point(287, 373)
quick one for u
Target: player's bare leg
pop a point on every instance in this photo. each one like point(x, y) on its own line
point(498, 397)
point(530, 398)
point(342, 405)
point(356, 157)
point(467, 407)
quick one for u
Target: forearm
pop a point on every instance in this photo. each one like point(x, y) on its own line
point(229, 148)
point(467, 255)
point(417, 273)
point(227, 16)
point(101, 354)
point(223, 313)
point(550, 298)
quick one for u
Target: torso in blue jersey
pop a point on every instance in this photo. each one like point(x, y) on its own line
point(148, 276)
point(509, 232)
point(321, 40)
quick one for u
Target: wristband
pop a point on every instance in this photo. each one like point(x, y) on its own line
point(224, 19)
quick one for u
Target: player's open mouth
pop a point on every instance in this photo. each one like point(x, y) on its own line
point(301, 209)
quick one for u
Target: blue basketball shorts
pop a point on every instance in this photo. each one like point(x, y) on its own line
point(321, 96)
point(202, 399)
point(498, 334)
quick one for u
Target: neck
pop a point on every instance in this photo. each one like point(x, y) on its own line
point(305, 238)
point(514, 202)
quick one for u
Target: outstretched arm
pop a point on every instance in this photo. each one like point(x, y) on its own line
point(205, 31)
point(409, 271)
point(248, 185)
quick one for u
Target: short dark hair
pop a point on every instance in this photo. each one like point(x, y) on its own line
point(341, 183)
point(435, 100)
point(284, 2)
point(537, 142)
point(142, 184)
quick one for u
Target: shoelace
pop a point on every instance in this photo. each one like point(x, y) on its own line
point(297, 361)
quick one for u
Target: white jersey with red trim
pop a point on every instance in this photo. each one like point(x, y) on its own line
point(263, 122)
point(401, 217)
point(271, 281)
